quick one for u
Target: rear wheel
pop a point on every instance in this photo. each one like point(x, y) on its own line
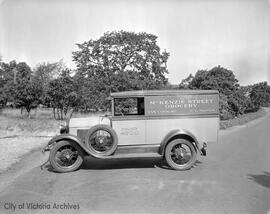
point(180, 154)
point(66, 156)
point(101, 140)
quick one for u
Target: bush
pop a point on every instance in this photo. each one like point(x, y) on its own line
point(224, 108)
point(260, 95)
point(224, 124)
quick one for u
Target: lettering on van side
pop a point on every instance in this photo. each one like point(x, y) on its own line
point(185, 104)
point(129, 131)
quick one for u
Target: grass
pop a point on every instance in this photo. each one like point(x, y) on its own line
point(245, 118)
point(25, 126)
point(42, 113)
point(41, 122)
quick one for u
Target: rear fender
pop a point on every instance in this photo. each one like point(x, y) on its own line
point(178, 133)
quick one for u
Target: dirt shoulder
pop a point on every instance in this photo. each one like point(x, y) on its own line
point(13, 149)
point(19, 136)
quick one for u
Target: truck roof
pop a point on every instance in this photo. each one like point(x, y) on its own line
point(140, 93)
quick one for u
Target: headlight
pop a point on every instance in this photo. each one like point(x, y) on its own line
point(63, 128)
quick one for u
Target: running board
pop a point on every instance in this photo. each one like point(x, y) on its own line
point(133, 155)
point(135, 151)
point(126, 149)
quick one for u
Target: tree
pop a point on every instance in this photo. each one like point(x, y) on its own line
point(224, 108)
point(62, 94)
point(7, 81)
point(232, 100)
point(27, 95)
point(44, 73)
point(17, 86)
point(260, 95)
point(185, 83)
point(120, 61)
point(22, 72)
point(1, 87)
point(11, 74)
point(238, 102)
point(218, 78)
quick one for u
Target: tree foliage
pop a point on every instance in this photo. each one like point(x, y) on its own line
point(7, 79)
point(218, 78)
point(27, 95)
point(44, 73)
point(260, 94)
point(185, 83)
point(119, 61)
point(18, 87)
point(234, 99)
point(223, 80)
point(62, 94)
point(26, 92)
point(22, 72)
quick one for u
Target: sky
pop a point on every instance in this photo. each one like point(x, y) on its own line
point(198, 34)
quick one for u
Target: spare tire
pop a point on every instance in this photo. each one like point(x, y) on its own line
point(101, 140)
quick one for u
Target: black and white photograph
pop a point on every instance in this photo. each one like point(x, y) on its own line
point(135, 106)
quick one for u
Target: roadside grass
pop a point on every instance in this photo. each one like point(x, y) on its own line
point(41, 122)
point(39, 113)
point(245, 118)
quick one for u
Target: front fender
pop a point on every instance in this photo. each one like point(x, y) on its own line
point(181, 133)
point(68, 137)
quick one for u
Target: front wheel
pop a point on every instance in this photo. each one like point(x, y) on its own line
point(180, 154)
point(66, 156)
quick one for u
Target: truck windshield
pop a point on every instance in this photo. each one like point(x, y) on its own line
point(129, 106)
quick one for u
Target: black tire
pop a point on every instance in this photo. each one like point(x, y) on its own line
point(101, 140)
point(66, 156)
point(176, 154)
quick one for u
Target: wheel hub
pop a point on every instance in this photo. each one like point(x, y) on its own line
point(67, 154)
point(180, 153)
point(100, 140)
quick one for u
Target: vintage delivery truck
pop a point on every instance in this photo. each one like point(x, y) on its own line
point(174, 124)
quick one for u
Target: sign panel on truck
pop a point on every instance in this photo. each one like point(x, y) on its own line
point(186, 104)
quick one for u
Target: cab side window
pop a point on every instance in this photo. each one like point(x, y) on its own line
point(129, 106)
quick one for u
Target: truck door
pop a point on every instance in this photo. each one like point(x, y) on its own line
point(128, 120)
